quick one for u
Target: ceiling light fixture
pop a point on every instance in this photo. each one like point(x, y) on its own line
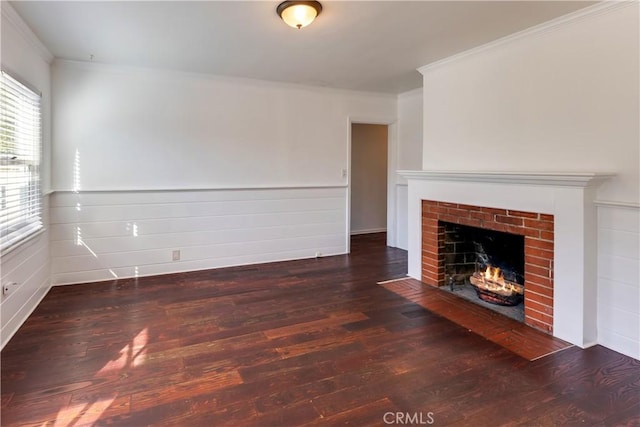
point(298, 14)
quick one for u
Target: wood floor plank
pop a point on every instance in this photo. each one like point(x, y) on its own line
point(305, 342)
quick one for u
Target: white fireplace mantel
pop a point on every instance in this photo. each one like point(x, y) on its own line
point(568, 196)
point(570, 179)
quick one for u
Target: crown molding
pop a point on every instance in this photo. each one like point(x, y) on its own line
point(411, 93)
point(587, 12)
point(617, 204)
point(133, 69)
point(557, 179)
point(12, 17)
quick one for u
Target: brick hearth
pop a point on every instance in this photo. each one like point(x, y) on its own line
point(537, 229)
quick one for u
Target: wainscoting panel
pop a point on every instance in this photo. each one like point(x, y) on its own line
point(107, 235)
point(29, 267)
point(619, 278)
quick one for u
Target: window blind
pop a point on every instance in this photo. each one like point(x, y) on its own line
point(20, 145)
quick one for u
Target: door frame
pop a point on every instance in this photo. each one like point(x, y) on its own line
point(392, 166)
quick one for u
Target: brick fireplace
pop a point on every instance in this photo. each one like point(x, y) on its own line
point(537, 229)
point(555, 213)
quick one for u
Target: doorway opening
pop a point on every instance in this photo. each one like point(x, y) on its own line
point(369, 178)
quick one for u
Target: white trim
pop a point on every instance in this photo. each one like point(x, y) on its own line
point(372, 121)
point(600, 7)
point(392, 163)
point(13, 325)
point(369, 231)
point(615, 204)
point(23, 29)
point(217, 188)
point(562, 179)
point(393, 153)
point(6, 251)
point(411, 93)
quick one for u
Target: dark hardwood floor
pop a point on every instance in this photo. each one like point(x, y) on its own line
point(292, 343)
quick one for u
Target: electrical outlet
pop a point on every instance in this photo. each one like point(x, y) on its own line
point(6, 288)
point(176, 255)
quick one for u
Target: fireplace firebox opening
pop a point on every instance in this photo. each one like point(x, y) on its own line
point(485, 267)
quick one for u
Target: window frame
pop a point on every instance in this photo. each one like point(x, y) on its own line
point(29, 205)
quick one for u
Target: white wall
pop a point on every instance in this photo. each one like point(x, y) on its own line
point(136, 144)
point(28, 265)
point(563, 97)
point(151, 129)
point(409, 154)
point(368, 178)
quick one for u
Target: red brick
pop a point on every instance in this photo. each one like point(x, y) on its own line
point(538, 325)
point(537, 280)
point(429, 216)
point(471, 222)
point(540, 253)
point(431, 240)
point(530, 232)
point(542, 244)
point(546, 217)
point(494, 211)
point(430, 227)
point(538, 271)
point(431, 245)
point(458, 212)
point(433, 274)
point(546, 235)
point(429, 275)
point(534, 314)
point(448, 205)
point(514, 229)
point(430, 263)
point(539, 225)
point(429, 281)
point(540, 299)
point(497, 227)
point(509, 220)
point(523, 214)
point(442, 210)
point(542, 262)
point(483, 216)
point(428, 207)
point(538, 289)
point(430, 220)
point(542, 308)
point(431, 258)
point(450, 218)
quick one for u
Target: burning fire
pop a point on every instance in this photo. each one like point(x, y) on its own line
point(493, 280)
point(494, 274)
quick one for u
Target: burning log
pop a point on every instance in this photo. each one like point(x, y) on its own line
point(492, 287)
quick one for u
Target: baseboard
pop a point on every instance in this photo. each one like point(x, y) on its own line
point(369, 231)
point(12, 326)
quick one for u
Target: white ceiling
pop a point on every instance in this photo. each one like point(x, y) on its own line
point(360, 45)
